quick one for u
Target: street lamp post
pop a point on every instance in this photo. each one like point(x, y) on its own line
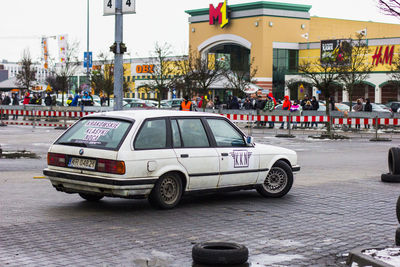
point(118, 58)
point(87, 48)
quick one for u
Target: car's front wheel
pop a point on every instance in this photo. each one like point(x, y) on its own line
point(278, 181)
point(167, 192)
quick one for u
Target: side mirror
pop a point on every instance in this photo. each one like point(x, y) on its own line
point(250, 140)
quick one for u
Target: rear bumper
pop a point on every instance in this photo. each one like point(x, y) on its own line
point(78, 183)
point(295, 168)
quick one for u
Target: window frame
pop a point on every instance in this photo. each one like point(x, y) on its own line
point(128, 130)
point(168, 144)
point(233, 126)
point(209, 136)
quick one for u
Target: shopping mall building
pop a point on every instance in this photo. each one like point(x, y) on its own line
point(278, 36)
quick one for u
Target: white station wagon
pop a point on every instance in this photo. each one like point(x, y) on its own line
point(162, 155)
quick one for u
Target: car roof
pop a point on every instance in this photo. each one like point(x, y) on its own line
point(154, 113)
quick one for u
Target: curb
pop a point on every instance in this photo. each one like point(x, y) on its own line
point(356, 256)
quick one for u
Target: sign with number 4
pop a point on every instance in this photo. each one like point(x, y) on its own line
point(128, 7)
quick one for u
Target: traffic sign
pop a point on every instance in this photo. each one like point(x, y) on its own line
point(128, 7)
point(85, 59)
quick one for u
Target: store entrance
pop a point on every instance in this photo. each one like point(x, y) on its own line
point(233, 57)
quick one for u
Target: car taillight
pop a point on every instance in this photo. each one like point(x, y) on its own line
point(111, 166)
point(55, 159)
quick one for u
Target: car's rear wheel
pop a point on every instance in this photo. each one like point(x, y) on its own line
point(167, 192)
point(91, 197)
point(278, 181)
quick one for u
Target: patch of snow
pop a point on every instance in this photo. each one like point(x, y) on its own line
point(263, 260)
point(281, 243)
point(387, 255)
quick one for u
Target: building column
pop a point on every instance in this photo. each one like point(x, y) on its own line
point(378, 94)
point(345, 95)
point(314, 92)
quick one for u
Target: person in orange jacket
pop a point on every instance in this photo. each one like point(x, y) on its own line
point(286, 106)
point(186, 104)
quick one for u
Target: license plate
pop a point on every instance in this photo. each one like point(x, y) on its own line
point(89, 164)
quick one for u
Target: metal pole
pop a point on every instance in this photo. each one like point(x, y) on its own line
point(87, 47)
point(118, 59)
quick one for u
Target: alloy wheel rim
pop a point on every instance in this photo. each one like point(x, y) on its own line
point(169, 190)
point(276, 180)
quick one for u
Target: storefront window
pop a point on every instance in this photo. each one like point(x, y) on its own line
point(284, 61)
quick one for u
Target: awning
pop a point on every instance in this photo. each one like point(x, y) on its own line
point(252, 88)
point(9, 84)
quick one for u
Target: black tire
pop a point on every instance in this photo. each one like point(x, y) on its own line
point(167, 192)
point(278, 182)
point(91, 197)
point(390, 178)
point(394, 160)
point(398, 209)
point(397, 237)
point(220, 253)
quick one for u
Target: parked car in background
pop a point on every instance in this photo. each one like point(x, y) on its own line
point(130, 100)
point(393, 106)
point(173, 103)
point(376, 108)
point(139, 105)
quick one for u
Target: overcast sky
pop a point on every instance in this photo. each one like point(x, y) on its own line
point(24, 21)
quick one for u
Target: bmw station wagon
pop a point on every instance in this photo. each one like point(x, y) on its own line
point(163, 155)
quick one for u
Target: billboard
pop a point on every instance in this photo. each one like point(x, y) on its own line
point(335, 51)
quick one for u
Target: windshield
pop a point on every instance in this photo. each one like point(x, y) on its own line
point(96, 133)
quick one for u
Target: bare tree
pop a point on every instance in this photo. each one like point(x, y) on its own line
point(389, 7)
point(161, 78)
point(356, 69)
point(27, 77)
point(323, 74)
point(207, 71)
point(102, 79)
point(240, 77)
point(65, 70)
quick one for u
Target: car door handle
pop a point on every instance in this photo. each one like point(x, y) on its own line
point(224, 154)
point(184, 155)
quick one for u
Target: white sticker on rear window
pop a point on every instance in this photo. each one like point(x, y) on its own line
point(104, 124)
point(93, 134)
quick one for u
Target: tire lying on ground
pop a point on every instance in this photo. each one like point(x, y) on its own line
point(394, 160)
point(390, 178)
point(220, 253)
point(397, 236)
point(398, 209)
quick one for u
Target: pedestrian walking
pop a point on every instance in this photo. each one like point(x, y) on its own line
point(367, 108)
point(295, 107)
point(270, 106)
point(186, 104)
point(234, 104)
point(307, 106)
point(15, 102)
point(358, 108)
point(315, 107)
point(286, 106)
point(47, 100)
point(27, 98)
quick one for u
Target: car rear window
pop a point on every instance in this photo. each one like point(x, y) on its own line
point(96, 133)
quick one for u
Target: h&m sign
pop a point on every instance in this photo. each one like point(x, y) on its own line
point(219, 14)
point(383, 56)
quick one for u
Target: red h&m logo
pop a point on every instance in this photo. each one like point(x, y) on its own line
point(219, 14)
point(385, 58)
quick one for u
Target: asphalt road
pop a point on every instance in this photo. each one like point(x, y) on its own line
point(337, 203)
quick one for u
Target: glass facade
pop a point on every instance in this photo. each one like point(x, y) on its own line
point(284, 61)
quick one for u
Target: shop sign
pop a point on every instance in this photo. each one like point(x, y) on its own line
point(337, 51)
point(383, 58)
point(145, 69)
point(219, 14)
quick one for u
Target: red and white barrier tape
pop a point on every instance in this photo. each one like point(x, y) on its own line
point(39, 124)
point(40, 113)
